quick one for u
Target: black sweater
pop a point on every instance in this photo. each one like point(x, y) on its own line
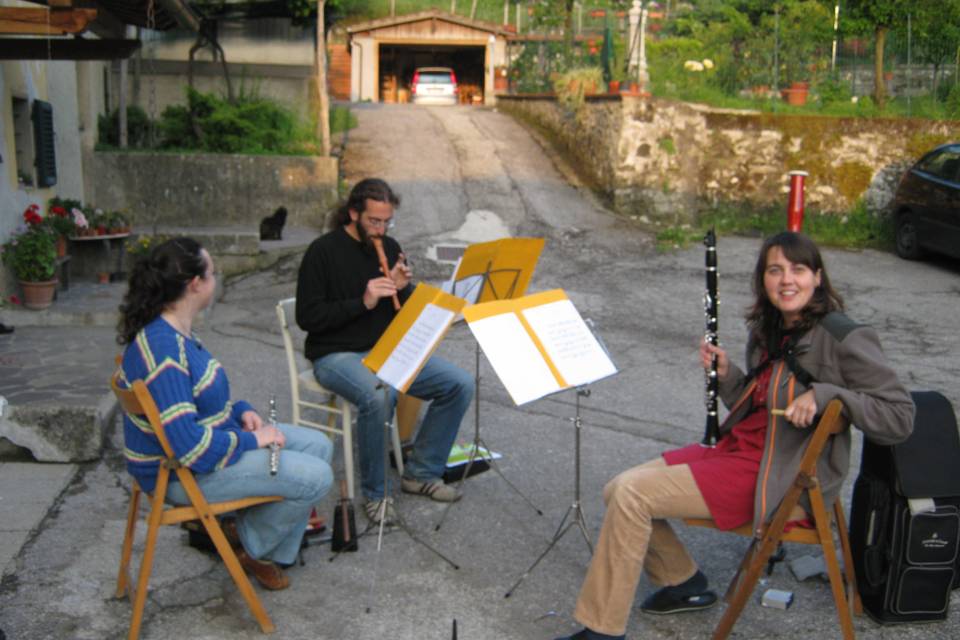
point(333, 276)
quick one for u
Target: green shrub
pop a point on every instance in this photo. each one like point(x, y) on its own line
point(572, 86)
point(952, 104)
point(249, 124)
point(139, 128)
point(834, 91)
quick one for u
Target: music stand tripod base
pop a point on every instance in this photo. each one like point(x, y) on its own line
point(575, 511)
point(399, 522)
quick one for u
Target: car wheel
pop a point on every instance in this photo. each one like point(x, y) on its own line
point(908, 244)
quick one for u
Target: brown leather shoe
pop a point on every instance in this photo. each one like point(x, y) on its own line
point(229, 527)
point(267, 573)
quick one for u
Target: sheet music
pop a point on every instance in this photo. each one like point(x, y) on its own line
point(467, 288)
point(514, 357)
point(407, 358)
point(568, 340)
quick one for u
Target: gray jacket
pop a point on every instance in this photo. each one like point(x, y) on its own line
point(846, 362)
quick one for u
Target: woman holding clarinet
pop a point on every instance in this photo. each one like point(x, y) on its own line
point(223, 441)
point(802, 352)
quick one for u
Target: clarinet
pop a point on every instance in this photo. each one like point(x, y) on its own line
point(710, 310)
point(274, 447)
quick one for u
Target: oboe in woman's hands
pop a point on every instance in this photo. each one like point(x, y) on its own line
point(274, 446)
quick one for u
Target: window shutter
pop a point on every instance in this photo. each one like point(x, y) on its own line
point(45, 155)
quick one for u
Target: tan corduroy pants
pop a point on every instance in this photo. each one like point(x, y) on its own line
point(635, 537)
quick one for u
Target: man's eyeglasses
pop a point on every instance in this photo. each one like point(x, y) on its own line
point(379, 223)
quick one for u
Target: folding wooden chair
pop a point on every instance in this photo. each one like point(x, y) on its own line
point(766, 541)
point(138, 401)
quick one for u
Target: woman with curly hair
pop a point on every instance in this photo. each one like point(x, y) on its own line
point(223, 441)
point(802, 352)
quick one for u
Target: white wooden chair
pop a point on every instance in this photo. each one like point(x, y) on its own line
point(338, 411)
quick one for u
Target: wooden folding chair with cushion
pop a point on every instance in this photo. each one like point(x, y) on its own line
point(336, 408)
point(766, 541)
point(137, 401)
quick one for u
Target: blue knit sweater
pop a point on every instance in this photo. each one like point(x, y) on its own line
point(193, 396)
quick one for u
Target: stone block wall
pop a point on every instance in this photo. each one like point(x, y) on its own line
point(213, 190)
point(666, 160)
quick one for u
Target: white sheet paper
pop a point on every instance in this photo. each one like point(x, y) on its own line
point(415, 346)
point(569, 342)
point(514, 357)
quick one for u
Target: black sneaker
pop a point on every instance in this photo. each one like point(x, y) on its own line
point(691, 595)
point(5, 328)
point(588, 634)
point(675, 600)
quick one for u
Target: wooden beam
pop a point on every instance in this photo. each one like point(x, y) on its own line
point(66, 49)
point(41, 22)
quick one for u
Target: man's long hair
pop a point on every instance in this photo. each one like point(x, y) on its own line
point(366, 189)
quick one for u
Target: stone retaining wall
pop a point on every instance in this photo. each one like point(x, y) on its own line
point(212, 190)
point(666, 159)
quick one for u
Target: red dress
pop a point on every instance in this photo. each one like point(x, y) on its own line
point(727, 473)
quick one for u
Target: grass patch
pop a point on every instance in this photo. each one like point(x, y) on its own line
point(855, 229)
point(341, 119)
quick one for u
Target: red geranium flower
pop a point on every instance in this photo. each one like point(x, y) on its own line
point(14, 299)
point(32, 215)
point(58, 211)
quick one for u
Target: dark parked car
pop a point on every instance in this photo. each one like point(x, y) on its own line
point(926, 207)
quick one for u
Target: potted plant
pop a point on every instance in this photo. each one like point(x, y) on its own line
point(32, 256)
point(62, 226)
point(117, 223)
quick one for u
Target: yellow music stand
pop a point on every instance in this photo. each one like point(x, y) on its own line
point(490, 271)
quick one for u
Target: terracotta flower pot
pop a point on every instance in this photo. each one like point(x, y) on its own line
point(61, 246)
point(614, 86)
point(38, 295)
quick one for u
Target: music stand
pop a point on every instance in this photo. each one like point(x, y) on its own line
point(540, 345)
point(518, 273)
point(575, 509)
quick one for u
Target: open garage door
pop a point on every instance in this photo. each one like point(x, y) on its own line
point(398, 62)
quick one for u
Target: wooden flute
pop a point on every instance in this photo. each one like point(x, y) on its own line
point(378, 245)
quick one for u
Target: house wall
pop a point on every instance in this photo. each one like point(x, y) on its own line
point(57, 83)
point(267, 57)
point(666, 160)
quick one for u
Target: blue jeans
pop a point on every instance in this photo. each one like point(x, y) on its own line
point(272, 531)
point(449, 388)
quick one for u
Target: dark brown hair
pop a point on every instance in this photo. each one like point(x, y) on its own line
point(763, 319)
point(156, 280)
point(366, 189)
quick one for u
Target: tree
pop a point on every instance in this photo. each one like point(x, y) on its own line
point(880, 16)
point(936, 35)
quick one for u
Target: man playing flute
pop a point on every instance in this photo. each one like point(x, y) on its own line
point(345, 302)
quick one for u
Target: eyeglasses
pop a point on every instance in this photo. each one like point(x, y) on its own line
point(379, 223)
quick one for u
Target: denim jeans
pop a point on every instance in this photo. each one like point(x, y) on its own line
point(272, 531)
point(448, 387)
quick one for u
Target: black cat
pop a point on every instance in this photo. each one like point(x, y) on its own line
point(271, 227)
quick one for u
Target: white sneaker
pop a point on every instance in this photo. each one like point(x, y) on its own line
point(375, 509)
point(433, 489)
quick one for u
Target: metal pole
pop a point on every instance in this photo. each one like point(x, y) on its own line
point(909, 61)
point(836, 26)
point(776, 52)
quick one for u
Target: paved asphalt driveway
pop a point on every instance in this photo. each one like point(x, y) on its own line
point(470, 175)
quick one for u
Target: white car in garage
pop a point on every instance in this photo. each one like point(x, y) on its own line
point(434, 85)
